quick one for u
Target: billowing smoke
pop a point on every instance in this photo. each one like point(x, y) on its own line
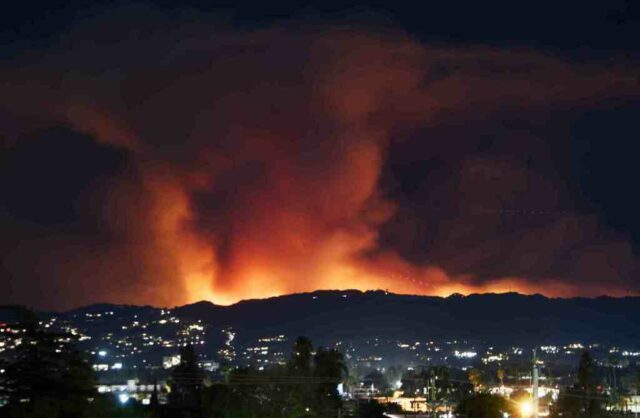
point(198, 161)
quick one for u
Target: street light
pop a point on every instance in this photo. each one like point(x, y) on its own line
point(526, 408)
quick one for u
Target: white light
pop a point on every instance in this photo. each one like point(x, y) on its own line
point(100, 367)
point(123, 397)
point(464, 354)
point(102, 353)
point(526, 408)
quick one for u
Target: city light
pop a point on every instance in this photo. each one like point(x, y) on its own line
point(382, 211)
point(526, 408)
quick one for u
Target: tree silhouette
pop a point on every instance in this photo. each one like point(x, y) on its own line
point(47, 375)
point(474, 378)
point(300, 362)
point(582, 399)
point(305, 387)
point(484, 405)
point(185, 397)
point(586, 379)
point(329, 368)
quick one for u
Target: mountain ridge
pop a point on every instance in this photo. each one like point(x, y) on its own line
point(347, 291)
point(346, 315)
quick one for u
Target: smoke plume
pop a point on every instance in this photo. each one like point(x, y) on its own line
point(220, 164)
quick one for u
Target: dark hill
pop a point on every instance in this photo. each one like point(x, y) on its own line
point(497, 318)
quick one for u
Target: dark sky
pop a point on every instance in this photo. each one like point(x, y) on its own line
point(155, 153)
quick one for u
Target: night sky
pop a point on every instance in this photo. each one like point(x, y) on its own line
point(160, 154)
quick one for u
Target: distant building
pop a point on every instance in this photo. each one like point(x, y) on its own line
point(170, 361)
point(407, 404)
point(364, 391)
point(134, 389)
point(208, 365)
point(633, 403)
point(100, 367)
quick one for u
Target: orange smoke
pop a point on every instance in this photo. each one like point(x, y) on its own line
point(259, 170)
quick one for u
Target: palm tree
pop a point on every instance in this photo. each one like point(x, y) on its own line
point(501, 374)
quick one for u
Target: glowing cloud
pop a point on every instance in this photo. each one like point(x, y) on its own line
point(254, 160)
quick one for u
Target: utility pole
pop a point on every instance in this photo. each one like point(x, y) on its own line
point(534, 385)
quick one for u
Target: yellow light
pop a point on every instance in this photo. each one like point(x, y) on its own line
point(526, 408)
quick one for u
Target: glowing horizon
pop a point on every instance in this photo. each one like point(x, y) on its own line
point(213, 163)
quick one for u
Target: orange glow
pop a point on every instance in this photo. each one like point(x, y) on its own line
point(260, 175)
point(299, 224)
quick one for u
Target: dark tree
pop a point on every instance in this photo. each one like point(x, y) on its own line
point(300, 362)
point(439, 385)
point(484, 405)
point(185, 397)
point(369, 409)
point(586, 378)
point(376, 379)
point(329, 368)
point(582, 399)
point(226, 401)
point(47, 376)
point(305, 387)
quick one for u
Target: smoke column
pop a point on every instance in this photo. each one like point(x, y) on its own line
point(251, 163)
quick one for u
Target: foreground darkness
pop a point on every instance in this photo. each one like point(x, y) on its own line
point(158, 158)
